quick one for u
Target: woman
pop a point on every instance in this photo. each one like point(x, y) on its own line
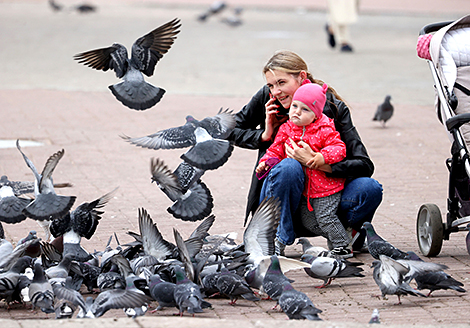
point(257, 124)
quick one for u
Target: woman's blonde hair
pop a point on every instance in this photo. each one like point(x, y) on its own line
point(289, 62)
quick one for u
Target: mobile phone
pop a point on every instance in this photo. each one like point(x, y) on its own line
point(281, 110)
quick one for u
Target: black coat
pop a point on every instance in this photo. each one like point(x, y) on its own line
point(251, 124)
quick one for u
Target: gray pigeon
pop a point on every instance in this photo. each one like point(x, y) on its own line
point(41, 293)
point(308, 248)
point(47, 205)
point(209, 149)
point(58, 274)
point(162, 291)
point(215, 8)
point(274, 280)
point(389, 276)
point(232, 285)
point(188, 296)
point(384, 111)
point(378, 246)
point(375, 317)
point(192, 200)
point(81, 222)
point(9, 280)
point(297, 305)
point(328, 268)
point(134, 92)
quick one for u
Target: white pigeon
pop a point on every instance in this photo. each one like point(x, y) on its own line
point(134, 92)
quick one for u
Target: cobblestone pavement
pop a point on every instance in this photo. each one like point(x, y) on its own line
point(46, 97)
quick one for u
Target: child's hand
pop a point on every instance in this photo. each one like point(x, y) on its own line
point(261, 167)
point(317, 161)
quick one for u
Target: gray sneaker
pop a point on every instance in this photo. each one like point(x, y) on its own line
point(279, 248)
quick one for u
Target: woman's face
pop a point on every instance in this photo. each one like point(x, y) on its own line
point(283, 85)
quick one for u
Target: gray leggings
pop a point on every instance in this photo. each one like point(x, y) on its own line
point(323, 220)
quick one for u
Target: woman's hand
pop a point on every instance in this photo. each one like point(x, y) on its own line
point(272, 121)
point(304, 154)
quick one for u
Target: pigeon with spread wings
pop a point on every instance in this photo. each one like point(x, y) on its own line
point(134, 92)
point(209, 149)
point(47, 205)
point(192, 199)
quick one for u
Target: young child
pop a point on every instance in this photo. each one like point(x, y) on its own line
point(307, 123)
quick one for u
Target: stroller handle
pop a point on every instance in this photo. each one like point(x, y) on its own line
point(434, 27)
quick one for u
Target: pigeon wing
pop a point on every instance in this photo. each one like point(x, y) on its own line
point(258, 237)
point(187, 175)
point(149, 49)
point(113, 57)
point(209, 154)
point(172, 138)
point(221, 125)
point(152, 240)
point(165, 179)
point(28, 162)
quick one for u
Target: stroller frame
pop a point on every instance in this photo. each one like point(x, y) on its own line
point(430, 229)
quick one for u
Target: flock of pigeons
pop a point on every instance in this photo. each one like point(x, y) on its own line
point(53, 274)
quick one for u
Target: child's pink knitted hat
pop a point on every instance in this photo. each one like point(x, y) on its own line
point(313, 96)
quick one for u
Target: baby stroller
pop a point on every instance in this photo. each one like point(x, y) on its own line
point(446, 46)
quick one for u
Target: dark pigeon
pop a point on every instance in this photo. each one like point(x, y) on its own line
point(274, 280)
point(9, 280)
point(81, 222)
point(384, 111)
point(192, 200)
point(378, 246)
point(41, 293)
point(232, 285)
point(162, 291)
point(209, 149)
point(215, 8)
point(297, 305)
point(11, 206)
point(188, 296)
point(47, 205)
point(389, 276)
point(328, 268)
point(134, 92)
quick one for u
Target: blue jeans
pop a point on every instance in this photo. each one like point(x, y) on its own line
point(286, 182)
point(359, 200)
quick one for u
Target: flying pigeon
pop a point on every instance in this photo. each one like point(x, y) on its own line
point(134, 92)
point(209, 149)
point(389, 276)
point(81, 222)
point(47, 205)
point(192, 200)
point(328, 268)
point(378, 246)
point(188, 296)
point(308, 248)
point(384, 111)
point(297, 305)
point(11, 206)
point(41, 293)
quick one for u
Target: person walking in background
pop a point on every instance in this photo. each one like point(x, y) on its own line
point(341, 13)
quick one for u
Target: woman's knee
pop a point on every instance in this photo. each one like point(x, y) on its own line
point(288, 169)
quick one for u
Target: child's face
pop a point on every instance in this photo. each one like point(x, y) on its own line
point(300, 114)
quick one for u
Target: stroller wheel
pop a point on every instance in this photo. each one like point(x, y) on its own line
point(430, 230)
